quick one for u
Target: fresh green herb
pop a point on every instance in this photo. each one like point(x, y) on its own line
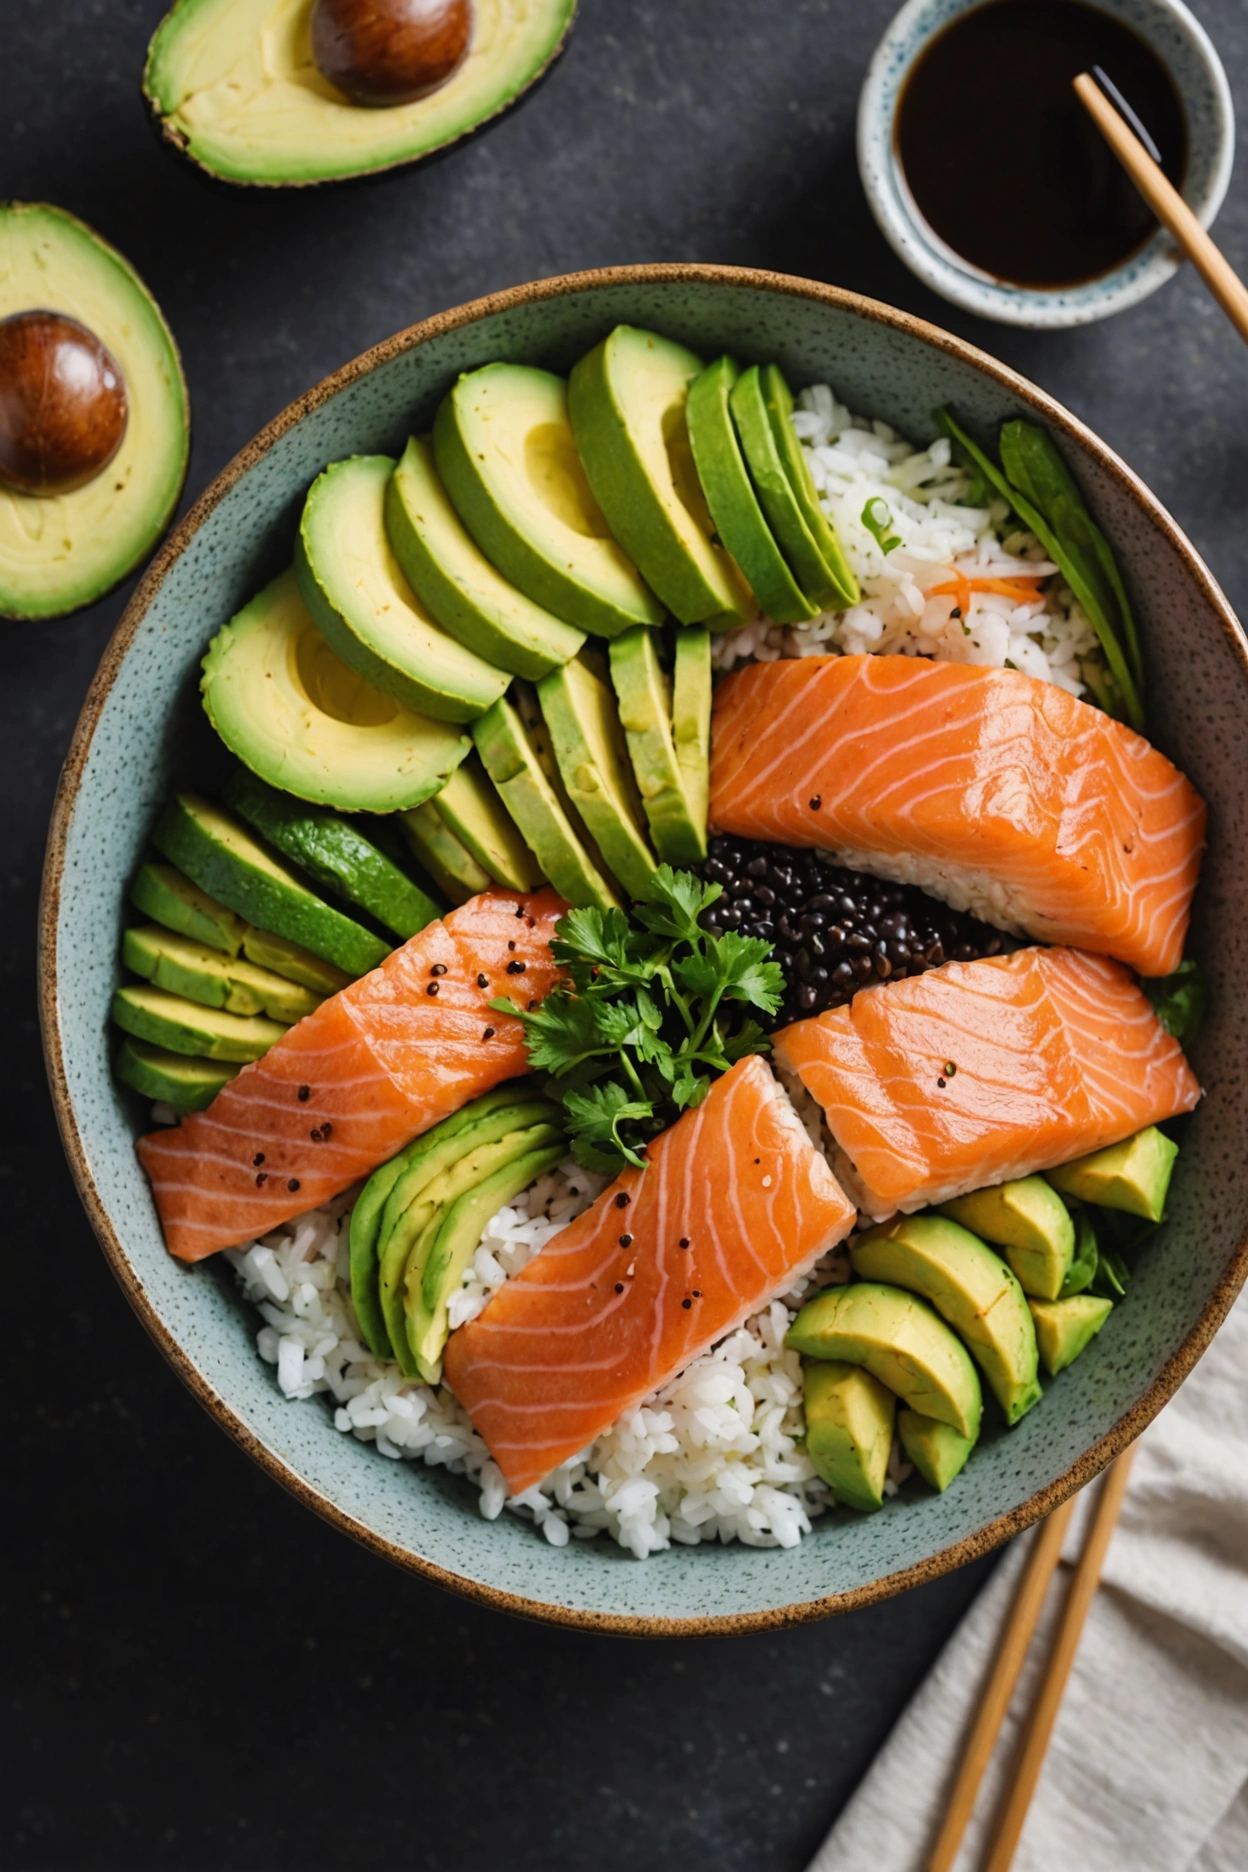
point(1179, 1000)
point(877, 517)
point(1111, 1276)
point(652, 1013)
point(1082, 1270)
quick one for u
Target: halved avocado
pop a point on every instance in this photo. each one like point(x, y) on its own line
point(1065, 1328)
point(233, 87)
point(368, 613)
point(779, 400)
point(168, 1020)
point(296, 964)
point(626, 403)
point(691, 718)
point(205, 975)
point(61, 552)
point(309, 723)
point(644, 694)
point(739, 520)
point(470, 806)
point(507, 458)
point(1029, 1220)
point(937, 1450)
point(161, 892)
point(513, 748)
point(449, 572)
point(179, 1079)
point(849, 1431)
point(901, 1341)
point(1133, 1176)
point(443, 854)
point(776, 493)
point(588, 743)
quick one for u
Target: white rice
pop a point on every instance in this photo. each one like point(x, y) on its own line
point(855, 462)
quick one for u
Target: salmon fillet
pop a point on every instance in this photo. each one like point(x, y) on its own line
point(999, 793)
point(354, 1082)
point(978, 1072)
point(615, 1306)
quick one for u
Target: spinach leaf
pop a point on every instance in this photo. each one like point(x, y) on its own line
point(1179, 1000)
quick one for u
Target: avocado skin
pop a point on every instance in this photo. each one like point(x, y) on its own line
point(181, 1080)
point(1133, 1176)
point(182, 1026)
point(778, 400)
point(901, 1341)
point(170, 899)
point(205, 975)
point(1065, 1328)
point(1030, 1222)
point(510, 758)
point(643, 694)
point(776, 495)
point(849, 1431)
point(588, 741)
point(937, 1450)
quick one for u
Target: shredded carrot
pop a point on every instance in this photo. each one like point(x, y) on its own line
point(1021, 590)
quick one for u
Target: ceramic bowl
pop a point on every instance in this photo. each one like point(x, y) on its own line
point(137, 736)
point(1183, 46)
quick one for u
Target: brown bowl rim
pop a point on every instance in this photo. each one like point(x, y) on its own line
point(973, 1546)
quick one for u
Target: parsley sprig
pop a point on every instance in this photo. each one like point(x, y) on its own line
point(651, 1014)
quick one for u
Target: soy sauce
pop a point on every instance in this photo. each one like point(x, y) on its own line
point(1003, 161)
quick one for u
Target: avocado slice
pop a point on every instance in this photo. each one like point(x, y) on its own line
point(295, 964)
point(205, 975)
point(364, 607)
point(589, 747)
point(1086, 1258)
point(937, 1450)
point(221, 857)
point(182, 1026)
point(775, 491)
point(644, 695)
point(469, 805)
point(309, 723)
point(739, 520)
point(161, 892)
point(507, 459)
point(515, 753)
point(461, 589)
point(779, 401)
point(691, 717)
point(444, 856)
point(1133, 1176)
point(849, 1431)
point(333, 851)
point(57, 555)
point(233, 90)
point(1065, 1328)
point(970, 1287)
point(180, 1080)
point(626, 403)
point(1029, 1220)
point(901, 1341)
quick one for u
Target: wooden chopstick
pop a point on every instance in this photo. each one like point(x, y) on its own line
point(1015, 1639)
point(1167, 204)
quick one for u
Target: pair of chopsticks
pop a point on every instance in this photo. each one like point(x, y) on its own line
point(1015, 1642)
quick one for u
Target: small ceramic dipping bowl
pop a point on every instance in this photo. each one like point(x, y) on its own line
point(1183, 46)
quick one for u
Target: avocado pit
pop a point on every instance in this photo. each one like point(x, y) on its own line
point(63, 405)
point(385, 52)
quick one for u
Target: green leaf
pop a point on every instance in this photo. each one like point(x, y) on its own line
point(736, 967)
point(1179, 1000)
point(595, 1120)
point(1111, 1276)
point(748, 1039)
point(675, 900)
point(877, 517)
point(1082, 1270)
point(560, 1032)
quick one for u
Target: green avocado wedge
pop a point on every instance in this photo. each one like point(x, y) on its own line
point(364, 607)
point(775, 492)
point(205, 975)
point(849, 1431)
point(1065, 1328)
point(901, 1341)
point(588, 742)
point(691, 718)
point(470, 807)
point(515, 751)
point(295, 964)
point(1133, 1176)
point(626, 403)
point(163, 893)
point(643, 693)
point(508, 461)
point(449, 863)
point(739, 520)
point(779, 401)
point(937, 1450)
point(456, 582)
point(180, 1080)
point(183, 1026)
point(333, 851)
point(973, 1291)
point(1028, 1220)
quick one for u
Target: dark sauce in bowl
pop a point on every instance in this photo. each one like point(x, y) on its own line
point(1002, 160)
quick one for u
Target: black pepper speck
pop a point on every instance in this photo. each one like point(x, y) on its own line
point(293, 1185)
point(305, 1093)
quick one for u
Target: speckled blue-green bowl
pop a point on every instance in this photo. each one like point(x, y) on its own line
point(142, 714)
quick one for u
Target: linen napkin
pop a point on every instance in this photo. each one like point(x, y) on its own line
point(1148, 1765)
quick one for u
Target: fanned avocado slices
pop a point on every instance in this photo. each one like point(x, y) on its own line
point(849, 1431)
point(778, 496)
point(588, 742)
point(183, 1026)
point(779, 401)
point(179, 1079)
point(676, 818)
point(691, 718)
point(163, 893)
point(1065, 1328)
point(937, 1450)
point(901, 1341)
point(202, 974)
point(443, 854)
point(469, 805)
point(1028, 1220)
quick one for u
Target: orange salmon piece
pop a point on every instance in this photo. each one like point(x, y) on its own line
point(978, 1072)
point(614, 1306)
point(999, 793)
point(351, 1084)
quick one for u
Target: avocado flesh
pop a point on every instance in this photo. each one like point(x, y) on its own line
point(626, 403)
point(510, 752)
point(308, 723)
point(901, 1341)
point(182, 1026)
point(232, 87)
point(775, 493)
point(937, 1450)
point(188, 1083)
point(61, 552)
point(691, 718)
point(365, 609)
point(221, 857)
point(1065, 1328)
point(161, 892)
point(644, 696)
point(779, 402)
point(588, 742)
point(295, 964)
point(333, 851)
point(849, 1431)
point(505, 452)
point(214, 980)
point(1133, 1176)
point(461, 589)
point(739, 520)
point(445, 857)
point(973, 1291)
point(469, 805)
point(1030, 1222)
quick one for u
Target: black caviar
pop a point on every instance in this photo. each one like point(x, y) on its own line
point(834, 931)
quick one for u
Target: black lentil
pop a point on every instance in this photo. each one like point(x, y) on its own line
point(258, 1158)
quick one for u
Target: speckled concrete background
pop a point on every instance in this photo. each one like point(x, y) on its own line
point(196, 1672)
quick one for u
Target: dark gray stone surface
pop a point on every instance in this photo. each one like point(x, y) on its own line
point(196, 1672)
